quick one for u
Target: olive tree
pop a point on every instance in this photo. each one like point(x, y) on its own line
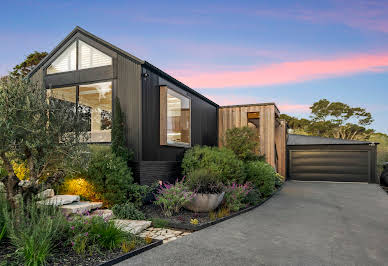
point(42, 132)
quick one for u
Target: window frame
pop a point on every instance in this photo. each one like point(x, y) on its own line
point(163, 118)
point(76, 41)
point(77, 85)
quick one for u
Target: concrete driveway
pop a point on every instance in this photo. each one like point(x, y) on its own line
point(305, 224)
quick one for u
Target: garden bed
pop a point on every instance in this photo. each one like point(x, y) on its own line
point(65, 255)
point(184, 218)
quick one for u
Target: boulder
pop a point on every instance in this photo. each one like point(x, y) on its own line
point(59, 200)
point(106, 214)
point(48, 193)
point(132, 226)
point(2, 187)
point(80, 207)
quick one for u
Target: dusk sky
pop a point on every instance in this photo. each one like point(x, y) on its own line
point(234, 52)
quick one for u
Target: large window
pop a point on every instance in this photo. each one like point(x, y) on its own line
point(93, 106)
point(175, 118)
point(88, 57)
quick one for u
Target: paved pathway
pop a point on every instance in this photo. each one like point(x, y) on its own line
point(305, 224)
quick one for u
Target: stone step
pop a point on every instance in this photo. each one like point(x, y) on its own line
point(80, 207)
point(105, 214)
point(132, 226)
point(60, 200)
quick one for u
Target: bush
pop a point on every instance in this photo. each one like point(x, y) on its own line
point(127, 211)
point(80, 186)
point(235, 195)
point(4, 208)
point(138, 194)
point(110, 176)
point(171, 198)
point(253, 197)
point(262, 176)
point(243, 142)
point(34, 231)
point(203, 181)
point(222, 162)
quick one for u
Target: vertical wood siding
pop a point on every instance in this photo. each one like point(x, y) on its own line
point(281, 146)
point(129, 92)
point(237, 116)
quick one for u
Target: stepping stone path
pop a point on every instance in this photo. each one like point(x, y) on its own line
point(59, 200)
point(80, 207)
point(132, 226)
point(164, 234)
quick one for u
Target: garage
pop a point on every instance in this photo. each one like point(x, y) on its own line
point(313, 158)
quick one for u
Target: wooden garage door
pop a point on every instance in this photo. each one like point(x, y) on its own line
point(320, 165)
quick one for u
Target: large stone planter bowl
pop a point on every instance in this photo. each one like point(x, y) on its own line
point(205, 202)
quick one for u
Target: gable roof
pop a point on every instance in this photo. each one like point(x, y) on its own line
point(121, 52)
point(294, 139)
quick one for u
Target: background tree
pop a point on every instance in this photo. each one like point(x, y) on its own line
point(333, 119)
point(28, 64)
point(41, 132)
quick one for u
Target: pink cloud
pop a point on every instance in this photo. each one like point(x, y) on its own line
point(286, 72)
point(294, 108)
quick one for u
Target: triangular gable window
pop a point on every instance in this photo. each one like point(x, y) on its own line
point(88, 57)
point(67, 61)
point(91, 57)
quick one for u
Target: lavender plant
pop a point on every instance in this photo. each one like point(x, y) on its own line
point(235, 195)
point(171, 198)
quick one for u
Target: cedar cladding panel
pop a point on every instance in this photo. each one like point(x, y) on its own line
point(203, 120)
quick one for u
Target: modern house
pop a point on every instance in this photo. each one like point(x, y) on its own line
point(164, 117)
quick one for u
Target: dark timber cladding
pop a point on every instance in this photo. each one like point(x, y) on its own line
point(351, 161)
point(203, 117)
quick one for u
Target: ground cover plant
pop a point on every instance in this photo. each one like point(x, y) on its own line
point(127, 210)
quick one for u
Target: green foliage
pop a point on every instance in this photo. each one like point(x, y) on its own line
point(235, 195)
point(262, 176)
point(203, 181)
point(382, 149)
point(119, 146)
point(334, 120)
point(110, 176)
point(4, 208)
point(171, 198)
point(127, 211)
point(253, 197)
point(159, 223)
point(138, 193)
point(222, 162)
point(34, 230)
point(35, 130)
point(28, 64)
point(89, 234)
point(243, 142)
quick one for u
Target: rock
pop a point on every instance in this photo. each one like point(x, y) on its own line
point(106, 214)
point(24, 183)
point(59, 200)
point(133, 226)
point(80, 207)
point(2, 187)
point(48, 193)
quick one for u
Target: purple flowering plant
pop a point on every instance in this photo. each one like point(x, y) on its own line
point(235, 195)
point(172, 197)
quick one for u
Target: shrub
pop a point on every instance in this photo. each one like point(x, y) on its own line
point(171, 198)
point(243, 142)
point(34, 231)
point(159, 223)
point(262, 176)
point(138, 194)
point(253, 197)
point(110, 176)
point(127, 211)
point(222, 162)
point(203, 181)
point(80, 186)
point(235, 195)
point(3, 212)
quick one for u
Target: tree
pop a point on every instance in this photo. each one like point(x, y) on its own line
point(119, 146)
point(333, 119)
point(28, 64)
point(44, 133)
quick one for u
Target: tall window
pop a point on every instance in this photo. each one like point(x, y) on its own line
point(93, 106)
point(175, 118)
point(88, 57)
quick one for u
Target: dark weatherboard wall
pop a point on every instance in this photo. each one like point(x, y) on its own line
point(203, 118)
